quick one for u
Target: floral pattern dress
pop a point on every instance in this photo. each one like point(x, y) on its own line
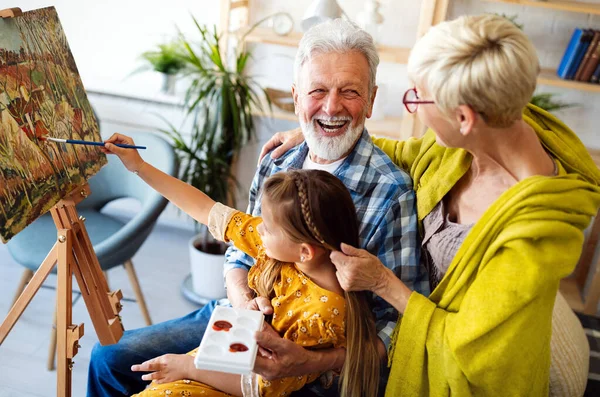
point(303, 312)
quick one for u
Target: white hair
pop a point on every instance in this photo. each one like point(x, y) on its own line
point(340, 36)
point(482, 61)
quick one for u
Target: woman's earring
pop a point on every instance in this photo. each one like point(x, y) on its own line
point(462, 130)
point(301, 258)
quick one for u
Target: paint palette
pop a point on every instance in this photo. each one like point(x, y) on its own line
point(228, 344)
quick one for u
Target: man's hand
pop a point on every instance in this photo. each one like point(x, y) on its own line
point(279, 358)
point(167, 368)
point(282, 141)
point(261, 304)
point(238, 292)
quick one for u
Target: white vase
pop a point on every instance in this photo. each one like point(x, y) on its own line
point(370, 19)
point(168, 84)
point(207, 272)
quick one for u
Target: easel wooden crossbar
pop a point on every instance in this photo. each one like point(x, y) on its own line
point(74, 255)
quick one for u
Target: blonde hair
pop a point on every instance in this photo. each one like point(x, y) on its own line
point(483, 61)
point(314, 207)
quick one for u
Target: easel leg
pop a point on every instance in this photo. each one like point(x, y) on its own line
point(64, 363)
point(52, 347)
point(137, 290)
point(30, 290)
point(25, 278)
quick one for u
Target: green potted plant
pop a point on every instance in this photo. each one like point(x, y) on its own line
point(220, 100)
point(166, 59)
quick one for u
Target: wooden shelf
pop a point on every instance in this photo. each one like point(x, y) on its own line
point(595, 153)
point(562, 5)
point(549, 77)
point(267, 36)
point(388, 127)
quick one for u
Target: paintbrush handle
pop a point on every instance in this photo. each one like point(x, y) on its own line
point(92, 143)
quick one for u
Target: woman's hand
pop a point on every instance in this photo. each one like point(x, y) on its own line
point(167, 368)
point(358, 270)
point(283, 141)
point(130, 157)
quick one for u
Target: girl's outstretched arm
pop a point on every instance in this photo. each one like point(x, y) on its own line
point(189, 199)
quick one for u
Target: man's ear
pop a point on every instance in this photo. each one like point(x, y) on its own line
point(295, 96)
point(466, 118)
point(307, 252)
point(372, 101)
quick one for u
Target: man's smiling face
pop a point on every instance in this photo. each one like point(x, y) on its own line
point(332, 101)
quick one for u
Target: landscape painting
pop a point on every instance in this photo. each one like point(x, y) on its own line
point(41, 95)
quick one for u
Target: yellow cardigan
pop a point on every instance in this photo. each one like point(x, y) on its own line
point(485, 330)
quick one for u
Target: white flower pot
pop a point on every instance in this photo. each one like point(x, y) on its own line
point(207, 272)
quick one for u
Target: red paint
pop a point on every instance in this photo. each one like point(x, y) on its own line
point(222, 325)
point(237, 347)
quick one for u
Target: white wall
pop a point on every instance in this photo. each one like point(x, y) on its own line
point(108, 36)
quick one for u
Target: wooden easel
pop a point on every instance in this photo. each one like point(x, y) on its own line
point(74, 254)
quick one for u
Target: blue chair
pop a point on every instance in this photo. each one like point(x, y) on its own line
point(115, 241)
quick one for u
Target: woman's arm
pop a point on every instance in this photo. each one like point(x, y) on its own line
point(281, 142)
point(186, 197)
point(404, 153)
point(358, 270)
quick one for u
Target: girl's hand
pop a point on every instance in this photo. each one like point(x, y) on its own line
point(358, 270)
point(285, 141)
point(167, 368)
point(130, 157)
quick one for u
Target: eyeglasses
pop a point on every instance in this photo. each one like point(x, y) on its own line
point(411, 100)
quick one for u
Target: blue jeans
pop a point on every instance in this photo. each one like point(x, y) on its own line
point(110, 372)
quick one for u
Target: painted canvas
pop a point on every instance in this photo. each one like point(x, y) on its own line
point(41, 95)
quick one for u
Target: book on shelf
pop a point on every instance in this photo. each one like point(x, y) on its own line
point(592, 64)
point(580, 49)
point(596, 76)
point(587, 58)
point(569, 55)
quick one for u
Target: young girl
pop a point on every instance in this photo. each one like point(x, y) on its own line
point(305, 215)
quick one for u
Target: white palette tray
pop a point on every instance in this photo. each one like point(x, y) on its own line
point(228, 344)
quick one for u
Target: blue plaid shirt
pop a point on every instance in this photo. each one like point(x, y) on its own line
point(385, 205)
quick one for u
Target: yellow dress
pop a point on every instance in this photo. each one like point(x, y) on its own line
point(303, 312)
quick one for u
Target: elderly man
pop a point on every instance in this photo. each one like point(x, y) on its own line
point(334, 91)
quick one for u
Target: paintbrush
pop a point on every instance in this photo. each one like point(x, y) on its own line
point(78, 142)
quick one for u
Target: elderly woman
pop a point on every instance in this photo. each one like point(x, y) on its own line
point(504, 192)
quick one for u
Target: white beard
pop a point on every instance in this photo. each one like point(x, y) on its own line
point(330, 148)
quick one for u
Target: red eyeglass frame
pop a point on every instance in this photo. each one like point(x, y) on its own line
point(417, 102)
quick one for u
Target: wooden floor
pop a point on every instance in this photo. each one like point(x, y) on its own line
point(161, 265)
